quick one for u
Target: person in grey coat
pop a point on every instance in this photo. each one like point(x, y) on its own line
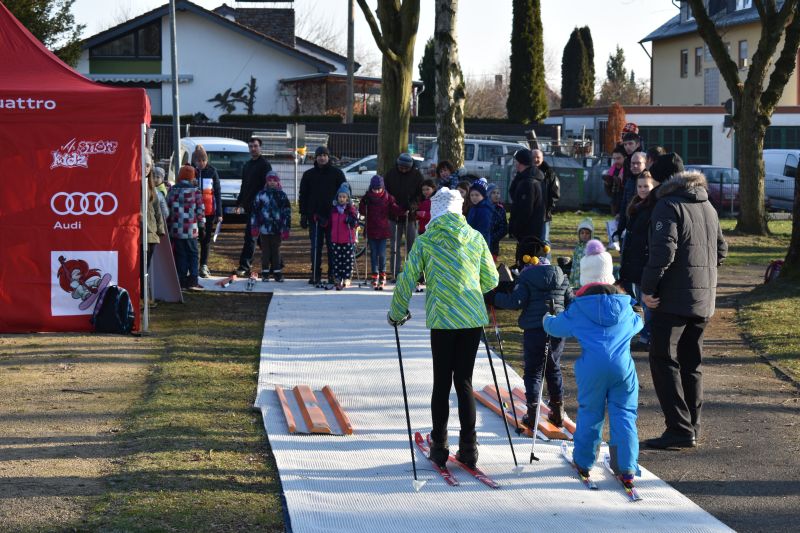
point(679, 285)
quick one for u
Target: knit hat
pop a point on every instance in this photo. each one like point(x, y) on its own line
point(490, 189)
point(531, 251)
point(481, 186)
point(158, 173)
point(187, 173)
point(376, 182)
point(445, 201)
point(630, 127)
point(405, 161)
point(586, 223)
point(272, 176)
point(321, 150)
point(524, 157)
point(343, 188)
point(597, 265)
point(666, 166)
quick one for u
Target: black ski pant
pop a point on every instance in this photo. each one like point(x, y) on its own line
point(454, 353)
point(248, 247)
point(270, 253)
point(676, 352)
point(205, 241)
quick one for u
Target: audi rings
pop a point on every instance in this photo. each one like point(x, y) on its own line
point(83, 203)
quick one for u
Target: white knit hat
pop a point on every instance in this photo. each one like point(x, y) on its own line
point(596, 265)
point(446, 201)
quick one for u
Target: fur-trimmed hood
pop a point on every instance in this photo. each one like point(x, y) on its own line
point(690, 184)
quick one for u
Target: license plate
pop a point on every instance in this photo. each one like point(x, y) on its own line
point(229, 210)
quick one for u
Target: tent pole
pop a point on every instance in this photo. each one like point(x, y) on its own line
point(176, 117)
point(145, 206)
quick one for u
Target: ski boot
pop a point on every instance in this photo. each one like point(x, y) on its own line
point(557, 414)
point(382, 281)
point(340, 285)
point(375, 280)
point(204, 271)
point(468, 451)
point(265, 275)
point(439, 453)
point(278, 275)
point(529, 419)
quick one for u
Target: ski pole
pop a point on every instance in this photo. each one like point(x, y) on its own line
point(416, 483)
point(517, 468)
point(547, 349)
point(505, 369)
point(314, 254)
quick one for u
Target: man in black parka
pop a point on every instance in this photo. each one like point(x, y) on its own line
point(527, 201)
point(254, 176)
point(679, 285)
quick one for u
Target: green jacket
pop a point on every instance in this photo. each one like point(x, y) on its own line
point(458, 270)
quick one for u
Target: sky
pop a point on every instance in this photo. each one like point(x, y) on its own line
point(484, 27)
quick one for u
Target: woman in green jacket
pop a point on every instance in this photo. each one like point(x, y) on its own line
point(459, 270)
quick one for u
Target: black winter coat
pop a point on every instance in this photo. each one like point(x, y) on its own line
point(636, 248)
point(686, 247)
point(318, 189)
point(527, 208)
point(406, 189)
point(254, 177)
point(534, 287)
point(551, 190)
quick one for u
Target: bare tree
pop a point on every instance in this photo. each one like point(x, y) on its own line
point(395, 37)
point(450, 90)
point(487, 97)
point(753, 103)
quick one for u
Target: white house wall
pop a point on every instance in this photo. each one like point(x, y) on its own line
point(219, 59)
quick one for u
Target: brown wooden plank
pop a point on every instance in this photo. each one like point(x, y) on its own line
point(312, 414)
point(286, 411)
point(569, 425)
point(488, 397)
point(336, 407)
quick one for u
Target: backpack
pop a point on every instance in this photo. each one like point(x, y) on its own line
point(773, 270)
point(113, 312)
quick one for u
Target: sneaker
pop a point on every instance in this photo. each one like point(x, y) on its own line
point(242, 272)
point(204, 271)
point(264, 275)
point(278, 275)
point(197, 287)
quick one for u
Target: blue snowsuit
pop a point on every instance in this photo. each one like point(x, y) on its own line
point(605, 373)
point(480, 217)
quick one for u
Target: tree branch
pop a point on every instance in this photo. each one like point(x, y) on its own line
point(786, 62)
point(727, 67)
point(409, 13)
point(376, 32)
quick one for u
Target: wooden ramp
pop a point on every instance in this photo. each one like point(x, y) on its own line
point(488, 397)
point(305, 414)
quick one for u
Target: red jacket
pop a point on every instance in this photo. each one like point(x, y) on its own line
point(377, 209)
point(424, 214)
point(343, 225)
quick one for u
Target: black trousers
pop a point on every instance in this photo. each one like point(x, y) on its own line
point(676, 352)
point(205, 242)
point(270, 252)
point(454, 353)
point(248, 247)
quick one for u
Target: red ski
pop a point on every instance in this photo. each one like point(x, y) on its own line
point(477, 472)
point(630, 489)
point(449, 478)
point(587, 481)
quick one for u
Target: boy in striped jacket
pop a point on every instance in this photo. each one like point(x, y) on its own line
point(186, 223)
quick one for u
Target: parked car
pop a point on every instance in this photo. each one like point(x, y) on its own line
point(228, 156)
point(723, 188)
point(479, 156)
point(781, 169)
point(359, 173)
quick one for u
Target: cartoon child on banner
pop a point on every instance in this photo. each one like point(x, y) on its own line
point(81, 282)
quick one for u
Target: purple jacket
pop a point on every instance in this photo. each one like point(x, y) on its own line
point(377, 209)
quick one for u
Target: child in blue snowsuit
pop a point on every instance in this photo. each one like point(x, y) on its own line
point(604, 322)
point(538, 282)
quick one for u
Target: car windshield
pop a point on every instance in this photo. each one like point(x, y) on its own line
point(228, 164)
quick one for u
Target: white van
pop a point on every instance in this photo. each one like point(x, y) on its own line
point(479, 156)
point(228, 156)
point(780, 170)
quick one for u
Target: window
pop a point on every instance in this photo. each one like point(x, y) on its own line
point(371, 164)
point(143, 43)
point(469, 152)
point(742, 54)
point(692, 142)
point(490, 152)
point(743, 4)
point(684, 63)
point(698, 61)
point(790, 169)
point(782, 137)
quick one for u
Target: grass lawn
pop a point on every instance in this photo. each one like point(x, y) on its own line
point(196, 458)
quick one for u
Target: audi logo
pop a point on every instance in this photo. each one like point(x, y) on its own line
point(83, 203)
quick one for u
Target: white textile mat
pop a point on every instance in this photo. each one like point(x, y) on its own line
point(363, 482)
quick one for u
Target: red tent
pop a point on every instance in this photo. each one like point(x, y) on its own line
point(70, 188)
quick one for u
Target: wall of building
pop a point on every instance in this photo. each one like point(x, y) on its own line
point(668, 88)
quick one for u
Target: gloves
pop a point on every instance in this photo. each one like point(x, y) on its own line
point(395, 323)
point(351, 221)
point(285, 235)
point(254, 231)
point(304, 221)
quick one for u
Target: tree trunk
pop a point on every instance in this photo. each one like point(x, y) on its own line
point(450, 89)
point(791, 266)
point(750, 132)
point(395, 111)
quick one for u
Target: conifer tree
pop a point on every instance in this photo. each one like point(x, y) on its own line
point(527, 96)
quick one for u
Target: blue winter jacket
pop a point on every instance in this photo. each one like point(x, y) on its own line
point(271, 212)
point(603, 324)
point(534, 287)
point(480, 217)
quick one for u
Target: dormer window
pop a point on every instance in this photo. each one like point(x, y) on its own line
point(142, 43)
